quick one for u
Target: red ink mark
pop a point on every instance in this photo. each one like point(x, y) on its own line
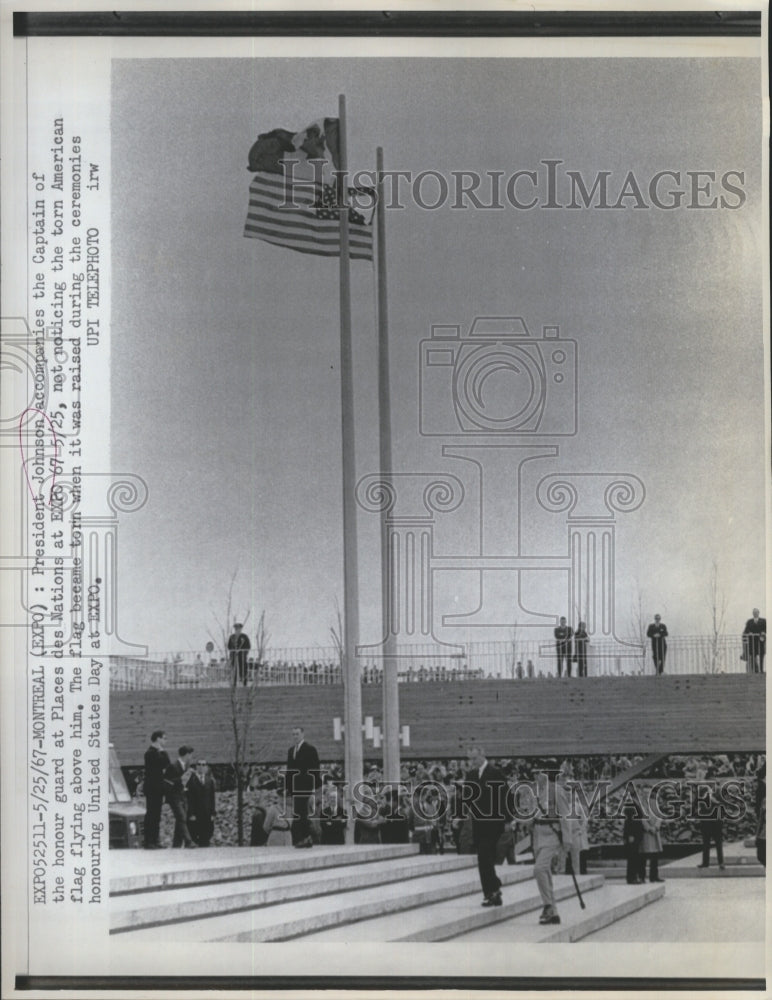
point(25, 460)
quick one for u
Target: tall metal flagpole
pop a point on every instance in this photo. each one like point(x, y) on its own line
point(391, 757)
point(352, 685)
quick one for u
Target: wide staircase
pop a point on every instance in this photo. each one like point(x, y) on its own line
point(354, 893)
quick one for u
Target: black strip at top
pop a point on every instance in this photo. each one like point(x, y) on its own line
point(417, 24)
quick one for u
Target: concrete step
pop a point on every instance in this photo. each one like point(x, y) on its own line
point(604, 906)
point(171, 904)
point(142, 871)
point(282, 921)
point(451, 918)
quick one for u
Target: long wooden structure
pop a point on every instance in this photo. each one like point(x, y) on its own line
point(700, 713)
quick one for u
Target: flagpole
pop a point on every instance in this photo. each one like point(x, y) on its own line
point(352, 685)
point(391, 756)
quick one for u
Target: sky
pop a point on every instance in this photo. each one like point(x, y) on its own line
point(225, 356)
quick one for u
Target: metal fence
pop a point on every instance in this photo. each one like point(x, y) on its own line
point(521, 660)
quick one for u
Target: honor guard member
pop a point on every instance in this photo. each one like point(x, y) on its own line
point(547, 836)
point(238, 649)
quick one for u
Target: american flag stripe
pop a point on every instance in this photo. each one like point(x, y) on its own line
point(308, 227)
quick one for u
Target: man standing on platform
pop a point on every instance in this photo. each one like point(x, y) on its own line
point(201, 804)
point(156, 762)
point(657, 632)
point(581, 641)
point(238, 647)
point(754, 643)
point(175, 780)
point(301, 778)
point(563, 635)
point(486, 807)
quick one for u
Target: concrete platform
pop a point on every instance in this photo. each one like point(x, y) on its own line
point(740, 861)
point(712, 912)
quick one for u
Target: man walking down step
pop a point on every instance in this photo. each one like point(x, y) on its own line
point(301, 779)
point(485, 795)
point(548, 833)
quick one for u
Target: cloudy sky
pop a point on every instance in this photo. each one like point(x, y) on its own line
point(225, 389)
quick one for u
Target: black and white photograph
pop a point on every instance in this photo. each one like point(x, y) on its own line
point(386, 494)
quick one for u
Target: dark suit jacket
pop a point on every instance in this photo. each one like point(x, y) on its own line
point(632, 833)
point(201, 797)
point(302, 775)
point(238, 646)
point(487, 806)
point(173, 780)
point(156, 762)
point(657, 633)
point(581, 639)
point(756, 628)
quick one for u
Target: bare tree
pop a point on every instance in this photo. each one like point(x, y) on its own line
point(515, 656)
point(242, 701)
point(717, 604)
point(638, 626)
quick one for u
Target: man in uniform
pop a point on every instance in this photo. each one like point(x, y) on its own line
point(238, 647)
point(549, 826)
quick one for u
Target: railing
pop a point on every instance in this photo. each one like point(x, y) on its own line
point(528, 660)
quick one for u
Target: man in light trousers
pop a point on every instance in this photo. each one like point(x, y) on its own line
point(552, 833)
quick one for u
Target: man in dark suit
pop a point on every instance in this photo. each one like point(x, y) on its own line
point(657, 632)
point(754, 643)
point(238, 647)
point(201, 804)
point(581, 641)
point(484, 794)
point(301, 779)
point(563, 635)
point(156, 762)
point(175, 779)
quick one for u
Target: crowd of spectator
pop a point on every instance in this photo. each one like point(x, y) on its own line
point(181, 670)
point(394, 820)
